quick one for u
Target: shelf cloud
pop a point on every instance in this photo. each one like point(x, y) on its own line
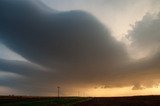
point(72, 48)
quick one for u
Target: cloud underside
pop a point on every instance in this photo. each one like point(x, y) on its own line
point(71, 49)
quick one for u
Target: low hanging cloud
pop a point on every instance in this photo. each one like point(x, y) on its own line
point(74, 44)
point(46, 37)
point(66, 48)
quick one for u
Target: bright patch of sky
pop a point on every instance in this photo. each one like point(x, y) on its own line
point(6, 53)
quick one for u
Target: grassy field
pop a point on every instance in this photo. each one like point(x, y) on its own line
point(123, 101)
point(40, 101)
point(80, 101)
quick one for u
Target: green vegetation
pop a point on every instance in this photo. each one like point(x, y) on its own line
point(62, 101)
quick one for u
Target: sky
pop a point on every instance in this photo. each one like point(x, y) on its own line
point(87, 47)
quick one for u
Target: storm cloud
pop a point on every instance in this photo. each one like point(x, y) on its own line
point(145, 34)
point(71, 48)
point(144, 37)
point(45, 37)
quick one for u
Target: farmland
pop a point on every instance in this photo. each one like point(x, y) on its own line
point(80, 101)
point(40, 101)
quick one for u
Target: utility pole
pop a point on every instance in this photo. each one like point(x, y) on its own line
point(58, 90)
point(78, 94)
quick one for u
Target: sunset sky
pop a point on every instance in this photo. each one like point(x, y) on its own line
point(87, 47)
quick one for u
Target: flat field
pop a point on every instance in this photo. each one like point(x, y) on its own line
point(40, 101)
point(79, 101)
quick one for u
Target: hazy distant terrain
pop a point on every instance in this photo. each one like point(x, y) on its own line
point(80, 101)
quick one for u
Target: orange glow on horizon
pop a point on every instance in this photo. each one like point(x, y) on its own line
point(125, 91)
